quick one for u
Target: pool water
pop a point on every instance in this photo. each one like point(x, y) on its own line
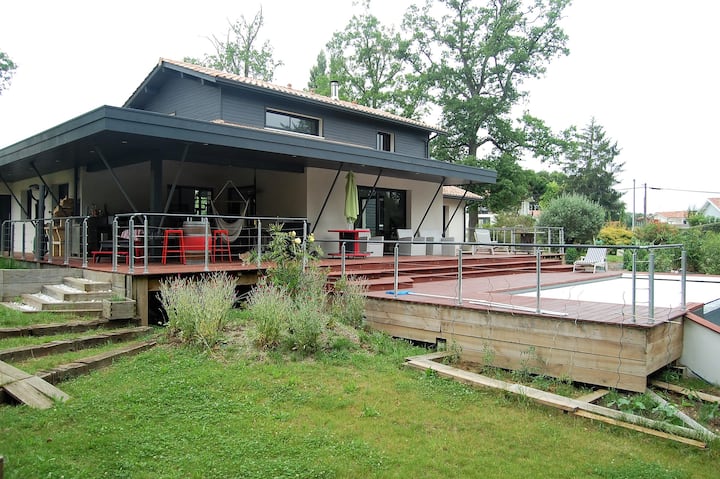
point(700, 289)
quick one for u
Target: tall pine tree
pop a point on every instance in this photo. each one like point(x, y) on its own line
point(591, 169)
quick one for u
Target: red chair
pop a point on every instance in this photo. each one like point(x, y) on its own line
point(178, 237)
point(221, 243)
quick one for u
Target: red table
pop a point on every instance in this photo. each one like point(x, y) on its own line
point(351, 237)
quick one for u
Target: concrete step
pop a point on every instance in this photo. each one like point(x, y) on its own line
point(67, 293)
point(44, 302)
point(87, 284)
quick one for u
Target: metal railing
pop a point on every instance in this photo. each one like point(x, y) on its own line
point(540, 250)
point(136, 236)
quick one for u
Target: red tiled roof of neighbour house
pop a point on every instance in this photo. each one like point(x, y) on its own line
point(288, 90)
point(457, 192)
point(715, 202)
point(672, 214)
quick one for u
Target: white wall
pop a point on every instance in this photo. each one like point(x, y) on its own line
point(701, 350)
point(319, 181)
point(456, 229)
point(19, 188)
point(281, 194)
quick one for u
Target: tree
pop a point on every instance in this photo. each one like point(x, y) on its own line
point(580, 218)
point(590, 166)
point(239, 52)
point(511, 187)
point(7, 70)
point(373, 66)
point(476, 58)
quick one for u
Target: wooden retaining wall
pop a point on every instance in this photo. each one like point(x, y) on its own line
point(605, 354)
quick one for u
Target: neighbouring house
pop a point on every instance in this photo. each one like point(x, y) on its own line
point(711, 208)
point(677, 218)
point(187, 131)
point(455, 201)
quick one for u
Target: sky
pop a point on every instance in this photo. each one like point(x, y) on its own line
point(644, 69)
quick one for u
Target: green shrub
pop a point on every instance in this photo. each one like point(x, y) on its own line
point(614, 234)
point(507, 220)
point(291, 309)
point(709, 262)
point(197, 309)
point(665, 260)
point(580, 217)
point(657, 233)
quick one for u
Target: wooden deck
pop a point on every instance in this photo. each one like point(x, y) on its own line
point(591, 342)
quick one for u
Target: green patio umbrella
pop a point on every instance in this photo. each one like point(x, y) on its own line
point(351, 199)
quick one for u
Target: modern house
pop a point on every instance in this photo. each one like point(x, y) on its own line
point(711, 208)
point(676, 218)
point(192, 141)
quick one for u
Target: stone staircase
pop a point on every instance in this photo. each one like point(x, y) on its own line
point(76, 296)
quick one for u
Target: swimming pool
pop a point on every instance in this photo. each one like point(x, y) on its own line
point(699, 288)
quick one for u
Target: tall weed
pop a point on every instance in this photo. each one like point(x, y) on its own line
point(197, 309)
point(269, 306)
point(348, 302)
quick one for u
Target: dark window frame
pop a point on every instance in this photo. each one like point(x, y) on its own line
point(297, 123)
point(385, 141)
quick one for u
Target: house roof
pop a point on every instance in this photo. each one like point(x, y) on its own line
point(456, 192)
point(217, 76)
point(120, 136)
point(672, 214)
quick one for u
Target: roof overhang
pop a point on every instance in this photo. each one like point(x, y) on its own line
point(126, 136)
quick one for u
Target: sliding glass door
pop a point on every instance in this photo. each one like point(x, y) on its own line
point(382, 211)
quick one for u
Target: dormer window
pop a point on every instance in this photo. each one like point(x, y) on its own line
point(385, 141)
point(292, 122)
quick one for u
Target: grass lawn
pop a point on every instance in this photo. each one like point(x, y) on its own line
point(175, 412)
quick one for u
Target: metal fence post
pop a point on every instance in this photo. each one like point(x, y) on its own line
point(683, 279)
point(651, 285)
point(66, 259)
point(114, 244)
point(131, 245)
point(538, 266)
point(460, 278)
point(84, 242)
point(634, 285)
point(206, 241)
point(342, 259)
point(259, 242)
point(396, 264)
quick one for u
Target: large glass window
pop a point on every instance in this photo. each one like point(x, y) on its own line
point(191, 200)
point(291, 122)
point(383, 211)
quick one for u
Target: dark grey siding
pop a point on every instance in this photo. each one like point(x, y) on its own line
point(187, 97)
point(248, 108)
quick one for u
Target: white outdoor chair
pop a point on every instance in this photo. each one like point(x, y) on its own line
point(595, 257)
point(430, 237)
point(483, 236)
point(374, 245)
point(411, 246)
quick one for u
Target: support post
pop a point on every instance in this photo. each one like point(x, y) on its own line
point(683, 279)
point(634, 285)
point(460, 278)
point(651, 285)
point(396, 264)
